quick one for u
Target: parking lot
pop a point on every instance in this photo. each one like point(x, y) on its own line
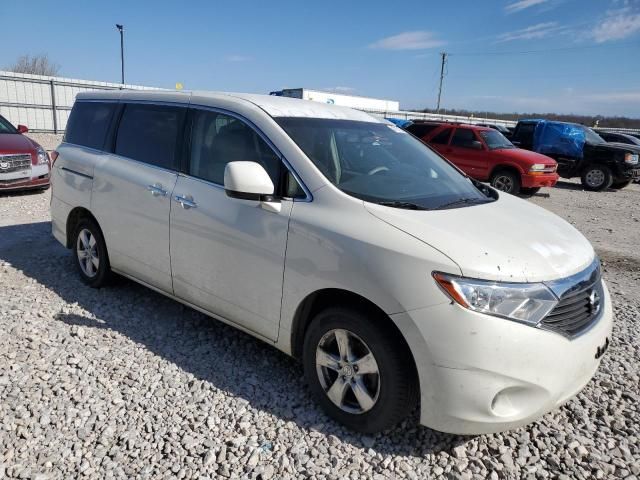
point(125, 383)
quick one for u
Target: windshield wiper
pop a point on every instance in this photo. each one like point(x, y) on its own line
point(405, 205)
point(463, 201)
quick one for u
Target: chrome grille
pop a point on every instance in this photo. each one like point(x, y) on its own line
point(580, 305)
point(13, 163)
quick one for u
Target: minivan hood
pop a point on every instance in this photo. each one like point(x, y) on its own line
point(506, 240)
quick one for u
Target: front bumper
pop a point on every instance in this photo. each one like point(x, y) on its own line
point(35, 177)
point(483, 374)
point(537, 181)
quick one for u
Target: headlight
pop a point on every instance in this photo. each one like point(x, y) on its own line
point(43, 157)
point(631, 158)
point(539, 168)
point(523, 302)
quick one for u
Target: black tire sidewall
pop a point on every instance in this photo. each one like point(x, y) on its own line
point(103, 275)
point(514, 178)
point(397, 395)
point(608, 178)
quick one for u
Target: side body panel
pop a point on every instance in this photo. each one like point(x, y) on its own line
point(134, 219)
point(228, 255)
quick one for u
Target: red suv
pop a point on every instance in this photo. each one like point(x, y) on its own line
point(485, 154)
point(23, 163)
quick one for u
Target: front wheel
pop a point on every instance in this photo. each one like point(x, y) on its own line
point(597, 178)
point(358, 370)
point(506, 181)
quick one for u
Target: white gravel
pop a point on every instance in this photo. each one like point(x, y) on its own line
point(124, 383)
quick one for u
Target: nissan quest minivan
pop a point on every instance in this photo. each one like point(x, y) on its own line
point(343, 241)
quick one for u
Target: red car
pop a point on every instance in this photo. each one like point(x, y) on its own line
point(486, 155)
point(23, 163)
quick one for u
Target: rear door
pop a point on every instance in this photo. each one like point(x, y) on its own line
point(464, 153)
point(132, 190)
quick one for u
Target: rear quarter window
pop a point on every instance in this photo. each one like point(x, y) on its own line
point(88, 123)
point(150, 133)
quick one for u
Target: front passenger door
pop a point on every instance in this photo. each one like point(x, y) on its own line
point(464, 152)
point(227, 254)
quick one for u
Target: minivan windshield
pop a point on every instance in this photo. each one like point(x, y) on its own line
point(6, 127)
point(381, 163)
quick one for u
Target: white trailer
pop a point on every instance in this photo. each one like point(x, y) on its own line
point(352, 101)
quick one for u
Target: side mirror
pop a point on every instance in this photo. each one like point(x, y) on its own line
point(22, 129)
point(248, 181)
point(476, 145)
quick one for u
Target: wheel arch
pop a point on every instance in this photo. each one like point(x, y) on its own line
point(505, 167)
point(75, 215)
point(324, 298)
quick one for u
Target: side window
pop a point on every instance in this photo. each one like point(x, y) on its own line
point(443, 137)
point(464, 137)
point(149, 133)
point(88, 123)
point(420, 130)
point(217, 139)
point(525, 133)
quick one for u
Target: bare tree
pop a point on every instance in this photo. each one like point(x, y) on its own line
point(35, 65)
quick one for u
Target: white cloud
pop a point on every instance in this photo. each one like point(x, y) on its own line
point(617, 24)
point(418, 40)
point(238, 58)
point(614, 97)
point(522, 5)
point(540, 30)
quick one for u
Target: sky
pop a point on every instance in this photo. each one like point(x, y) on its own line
point(564, 56)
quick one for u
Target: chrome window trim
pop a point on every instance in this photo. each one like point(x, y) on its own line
point(267, 140)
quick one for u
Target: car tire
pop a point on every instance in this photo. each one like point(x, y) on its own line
point(529, 191)
point(506, 181)
point(621, 185)
point(90, 253)
point(596, 178)
point(342, 343)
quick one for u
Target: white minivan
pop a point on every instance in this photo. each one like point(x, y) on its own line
point(341, 240)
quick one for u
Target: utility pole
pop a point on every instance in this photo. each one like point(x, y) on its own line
point(121, 29)
point(444, 61)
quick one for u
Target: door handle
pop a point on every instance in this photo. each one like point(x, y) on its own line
point(186, 201)
point(157, 190)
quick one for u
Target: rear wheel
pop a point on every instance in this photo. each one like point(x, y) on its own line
point(596, 178)
point(620, 185)
point(91, 254)
point(506, 181)
point(358, 370)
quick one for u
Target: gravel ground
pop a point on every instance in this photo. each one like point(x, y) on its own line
point(48, 141)
point(124, 383)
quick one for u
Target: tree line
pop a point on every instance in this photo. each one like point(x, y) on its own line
point(589, 120)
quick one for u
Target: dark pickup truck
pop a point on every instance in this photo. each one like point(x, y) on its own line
point(580, 152)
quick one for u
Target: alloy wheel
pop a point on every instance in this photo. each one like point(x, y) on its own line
point(503, 183)
point(87, 252)
point(348, 371)
point(595, 178)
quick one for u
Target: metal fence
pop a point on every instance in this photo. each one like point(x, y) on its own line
point(43, 103)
